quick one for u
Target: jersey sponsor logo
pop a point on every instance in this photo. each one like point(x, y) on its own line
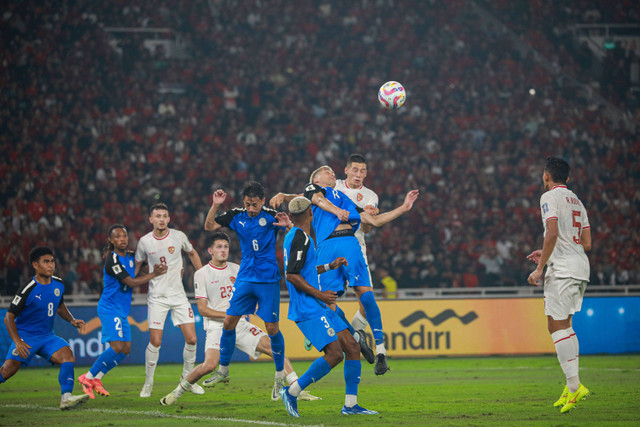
point(16, 300)
point(38, 296)
point(359, 197)
point(545, 208)
point(262, 222)
point(172, 249)
point(242, 223)
point(56, 292)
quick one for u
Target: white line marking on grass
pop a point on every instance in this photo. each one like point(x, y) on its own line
point(156, 414)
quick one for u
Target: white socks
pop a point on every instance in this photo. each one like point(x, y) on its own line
point(567, 348)
point(151, 356)
point(291, 378)
point(189, 358)
point(380, 349)
point(182, 387)
point(350, 400)
point(294, 389)
point(359, 321)
point(224, 370)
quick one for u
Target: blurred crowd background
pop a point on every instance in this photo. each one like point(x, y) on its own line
point(108, 107)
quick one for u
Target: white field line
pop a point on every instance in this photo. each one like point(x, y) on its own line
point(156, 414)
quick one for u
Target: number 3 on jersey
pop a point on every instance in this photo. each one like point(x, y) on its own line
point(577, 224)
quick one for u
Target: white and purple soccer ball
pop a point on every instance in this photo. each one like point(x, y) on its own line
point(392, 95)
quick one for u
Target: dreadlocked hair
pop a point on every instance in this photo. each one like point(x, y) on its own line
point(109, 246)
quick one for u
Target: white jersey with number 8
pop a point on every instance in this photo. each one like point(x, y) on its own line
point(568, 258)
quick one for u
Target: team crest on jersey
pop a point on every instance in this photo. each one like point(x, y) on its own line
point(172, 249)
point(232, 279)
point(331, 332)
point(359, 197)
point(262, 222)
point(130, 263)
point(15, 352)
point(57, 292)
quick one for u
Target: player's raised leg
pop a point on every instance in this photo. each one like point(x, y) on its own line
point(366, 297)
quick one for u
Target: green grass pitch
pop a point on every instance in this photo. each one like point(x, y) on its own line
point(440, 391)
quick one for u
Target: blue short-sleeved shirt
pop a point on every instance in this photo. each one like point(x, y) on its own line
point(325, 223)
point(35, 306)
point(116, 296)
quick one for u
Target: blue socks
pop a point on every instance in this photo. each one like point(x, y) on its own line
point(228, 344)
point(318, 369)
point(277, 348)
point(372, 311)
point(66, 377)
point(104, 362)
point(340, 313)
point(352, 370)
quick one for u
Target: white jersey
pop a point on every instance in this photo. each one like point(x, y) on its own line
point(216, 286)
point(568, 258)
point(167, 251)
point(362, 197)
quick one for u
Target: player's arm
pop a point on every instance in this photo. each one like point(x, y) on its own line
point(585, 239)
point(327, 297)
point(113, 267)
point(280, 198)
point(195, 259)
point(15, 308)
point(549, 243)
point(206, 311)
point(63, 311)
point(158, 270)
point(331, 266)
point(316, 194)
point(373, 211)
point(381, 219)
point(210, 223)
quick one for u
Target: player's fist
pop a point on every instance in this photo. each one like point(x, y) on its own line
point(343, 214)
point(78, 323)
point(371, 210)
point(328, 297)
point(159, 269)
point(276, 200)
point(535, 256)
point(410, 199)
point(534, 277)
point(338, 262)
point(219, 196)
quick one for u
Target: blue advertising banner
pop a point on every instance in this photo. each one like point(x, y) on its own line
point(88, 345)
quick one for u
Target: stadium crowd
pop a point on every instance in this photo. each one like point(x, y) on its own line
point(91, 136)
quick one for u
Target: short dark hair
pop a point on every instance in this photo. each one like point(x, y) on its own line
point(158, 206)
point(253, 189)
point(214, 237)
point(356, 158)
point(558, 169)
point(39, 251)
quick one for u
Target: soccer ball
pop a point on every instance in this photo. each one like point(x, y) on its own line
point(392, 95)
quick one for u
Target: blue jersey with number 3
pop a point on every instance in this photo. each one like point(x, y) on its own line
point(35, 306)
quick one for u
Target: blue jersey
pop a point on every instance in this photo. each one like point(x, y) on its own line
point(116, 296)
point(257, 237)
point(35, 306)
point(300, 258)
point(325, 223)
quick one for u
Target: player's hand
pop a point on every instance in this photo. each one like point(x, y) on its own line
point(159, 269)
point(276, 200)
point(534, 277)
point(343, 214)
point(22, 348)
point(338, 262)
point(283, 220)
point(219, 196)
point(371, 210)
point(328, 297)
point(78, 323)
point(410, 199)
point(535, 256)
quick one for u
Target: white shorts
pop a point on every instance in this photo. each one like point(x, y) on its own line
point(248, 336)
point(562, 296)
point(181, 312)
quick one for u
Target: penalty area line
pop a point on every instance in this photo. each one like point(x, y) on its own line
point(156, 414)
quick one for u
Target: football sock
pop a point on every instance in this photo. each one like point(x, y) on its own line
point(103, 363)
point(183, 386)
point(350, 400)
point(373, 316)
point(224, 370)
point(277, 348)
point(189, 358)
point(291, 378)
point(340, 313)
point(380, 349)
point(151, 356)
point(359, 321)
point(318, 369)
point(565, 349)
point(227, 345)
point(352, 370)
point(98, 377)
point(114, 362)
point(66, 377)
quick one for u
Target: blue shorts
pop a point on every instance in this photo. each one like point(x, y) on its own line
point(44, 346)
point(322, 330)
point(114, 327)
point(355, 273)
point(246, 296)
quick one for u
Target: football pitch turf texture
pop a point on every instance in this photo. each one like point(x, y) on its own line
point(416, 392)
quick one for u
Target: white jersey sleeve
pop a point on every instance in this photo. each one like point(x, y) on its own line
point(141, 252)
point(568, 258)
point(216, 285)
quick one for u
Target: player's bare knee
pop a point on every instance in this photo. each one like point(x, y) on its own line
point(230, 322)
point(352, 349)
point(272, 328)
point(191, 340)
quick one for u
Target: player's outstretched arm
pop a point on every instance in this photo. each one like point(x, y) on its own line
point(22, 348)
point(158, 270)
point(381, 219)
point(550, 238)
point(327, 297)
point(331, 266)
point(210, 223)
point(280, 198)
point(63, 311)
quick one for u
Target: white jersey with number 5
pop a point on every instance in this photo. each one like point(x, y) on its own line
point(362, 197)
point(568, 258)
point(166, 250)
point(216, 286)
